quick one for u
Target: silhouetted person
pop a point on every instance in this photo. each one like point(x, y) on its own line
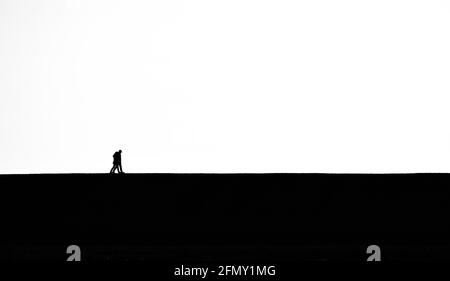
point(117, 163)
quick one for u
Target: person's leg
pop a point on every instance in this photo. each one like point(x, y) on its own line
point(112, 170)
point(120, 168)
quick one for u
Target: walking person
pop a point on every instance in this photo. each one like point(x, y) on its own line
point(117, 163)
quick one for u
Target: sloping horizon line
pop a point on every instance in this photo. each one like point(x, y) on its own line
point(229, 173)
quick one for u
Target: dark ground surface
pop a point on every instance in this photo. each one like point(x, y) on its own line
point(225, 217)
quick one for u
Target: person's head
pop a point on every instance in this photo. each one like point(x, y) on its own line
point(120, 151)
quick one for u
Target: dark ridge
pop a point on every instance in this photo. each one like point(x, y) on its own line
point(196, 216)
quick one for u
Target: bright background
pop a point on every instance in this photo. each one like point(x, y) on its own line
point(225, 86)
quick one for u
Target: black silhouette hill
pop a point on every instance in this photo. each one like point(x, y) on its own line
point(195, 216)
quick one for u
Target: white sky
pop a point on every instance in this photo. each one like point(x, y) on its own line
point(225, 86)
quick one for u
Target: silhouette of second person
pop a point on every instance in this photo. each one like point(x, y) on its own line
point(117, 163)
